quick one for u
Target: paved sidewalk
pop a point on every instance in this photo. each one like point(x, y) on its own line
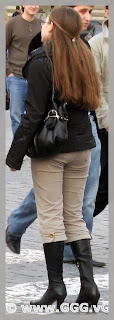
point(26, 276)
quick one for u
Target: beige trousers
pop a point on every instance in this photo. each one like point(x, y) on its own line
point(59, 184)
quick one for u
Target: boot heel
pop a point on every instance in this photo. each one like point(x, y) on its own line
point(94, 303)
point(60, 301)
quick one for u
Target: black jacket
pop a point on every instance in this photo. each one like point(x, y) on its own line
point(36, 43)
point(38, 101)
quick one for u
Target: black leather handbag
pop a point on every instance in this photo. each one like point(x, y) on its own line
point(54, 133)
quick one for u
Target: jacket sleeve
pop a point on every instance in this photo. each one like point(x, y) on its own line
point(102, 112)
point(36, 106)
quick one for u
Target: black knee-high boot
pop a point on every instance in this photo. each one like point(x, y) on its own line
point(54, 261)
point(89, 292)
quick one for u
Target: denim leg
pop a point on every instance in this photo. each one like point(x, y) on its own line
point(67, 254)
point(22, 217)
point(17, 89)
point(92, 180)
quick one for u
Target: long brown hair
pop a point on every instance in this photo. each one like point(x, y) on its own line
point(75, 75)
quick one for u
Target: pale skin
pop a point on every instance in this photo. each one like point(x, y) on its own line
point(107, 13)
point(85, 13)
point(29, 12)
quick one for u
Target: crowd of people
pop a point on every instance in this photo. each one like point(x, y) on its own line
point(70, 187)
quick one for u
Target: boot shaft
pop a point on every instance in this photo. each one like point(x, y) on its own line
point(89, 292)
point(82, 253)
point(54, 260)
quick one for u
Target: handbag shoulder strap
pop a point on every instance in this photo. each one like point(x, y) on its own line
point(53, 93)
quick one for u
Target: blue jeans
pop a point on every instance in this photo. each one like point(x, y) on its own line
point(92, 182)
point(17, 88)
point(22, 217)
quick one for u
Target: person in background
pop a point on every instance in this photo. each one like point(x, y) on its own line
point(17, 12)
point(19, 32)
point(23, 216)
point(100, 49)
point(59, 180)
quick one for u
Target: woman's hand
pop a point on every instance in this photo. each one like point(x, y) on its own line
point(11, 169)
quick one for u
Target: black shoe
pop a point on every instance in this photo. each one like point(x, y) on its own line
point(95, 263)
point(98, 264)
point(13, 242)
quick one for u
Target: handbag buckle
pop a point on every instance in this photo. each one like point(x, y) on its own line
point(52, 114)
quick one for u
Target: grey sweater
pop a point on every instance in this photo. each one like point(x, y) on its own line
point(19, 33)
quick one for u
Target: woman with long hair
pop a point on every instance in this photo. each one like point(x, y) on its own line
point(59, 180)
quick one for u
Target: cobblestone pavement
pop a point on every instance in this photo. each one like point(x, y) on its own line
point(26, 275)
